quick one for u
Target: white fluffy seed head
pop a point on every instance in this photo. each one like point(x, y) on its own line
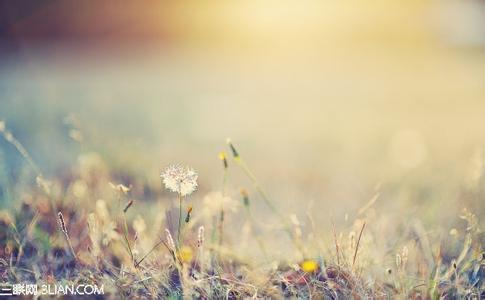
point(181, 180)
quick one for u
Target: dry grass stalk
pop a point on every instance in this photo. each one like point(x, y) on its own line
point(62, 226)
point(358, 243)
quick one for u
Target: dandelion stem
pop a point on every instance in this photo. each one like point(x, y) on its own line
point(180, 220)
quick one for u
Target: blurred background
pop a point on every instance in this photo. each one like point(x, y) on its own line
point(327, 101)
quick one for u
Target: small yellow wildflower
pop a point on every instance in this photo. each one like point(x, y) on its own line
point(222, 157)
point(186, 254)
point(309, 266)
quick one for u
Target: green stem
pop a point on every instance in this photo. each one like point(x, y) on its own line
point(263, 195)
point(180, 220)
point(221, 216)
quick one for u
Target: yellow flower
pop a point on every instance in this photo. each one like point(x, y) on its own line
point(309, 266)
point(222, 157)
point(185, 254)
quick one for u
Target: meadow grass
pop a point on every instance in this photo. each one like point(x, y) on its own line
point(87, 227)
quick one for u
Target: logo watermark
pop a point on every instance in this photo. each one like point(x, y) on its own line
point(22, 289)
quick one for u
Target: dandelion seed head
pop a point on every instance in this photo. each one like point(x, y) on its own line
point(181, 180)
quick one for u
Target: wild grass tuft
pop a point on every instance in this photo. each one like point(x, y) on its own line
point(140, 243)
